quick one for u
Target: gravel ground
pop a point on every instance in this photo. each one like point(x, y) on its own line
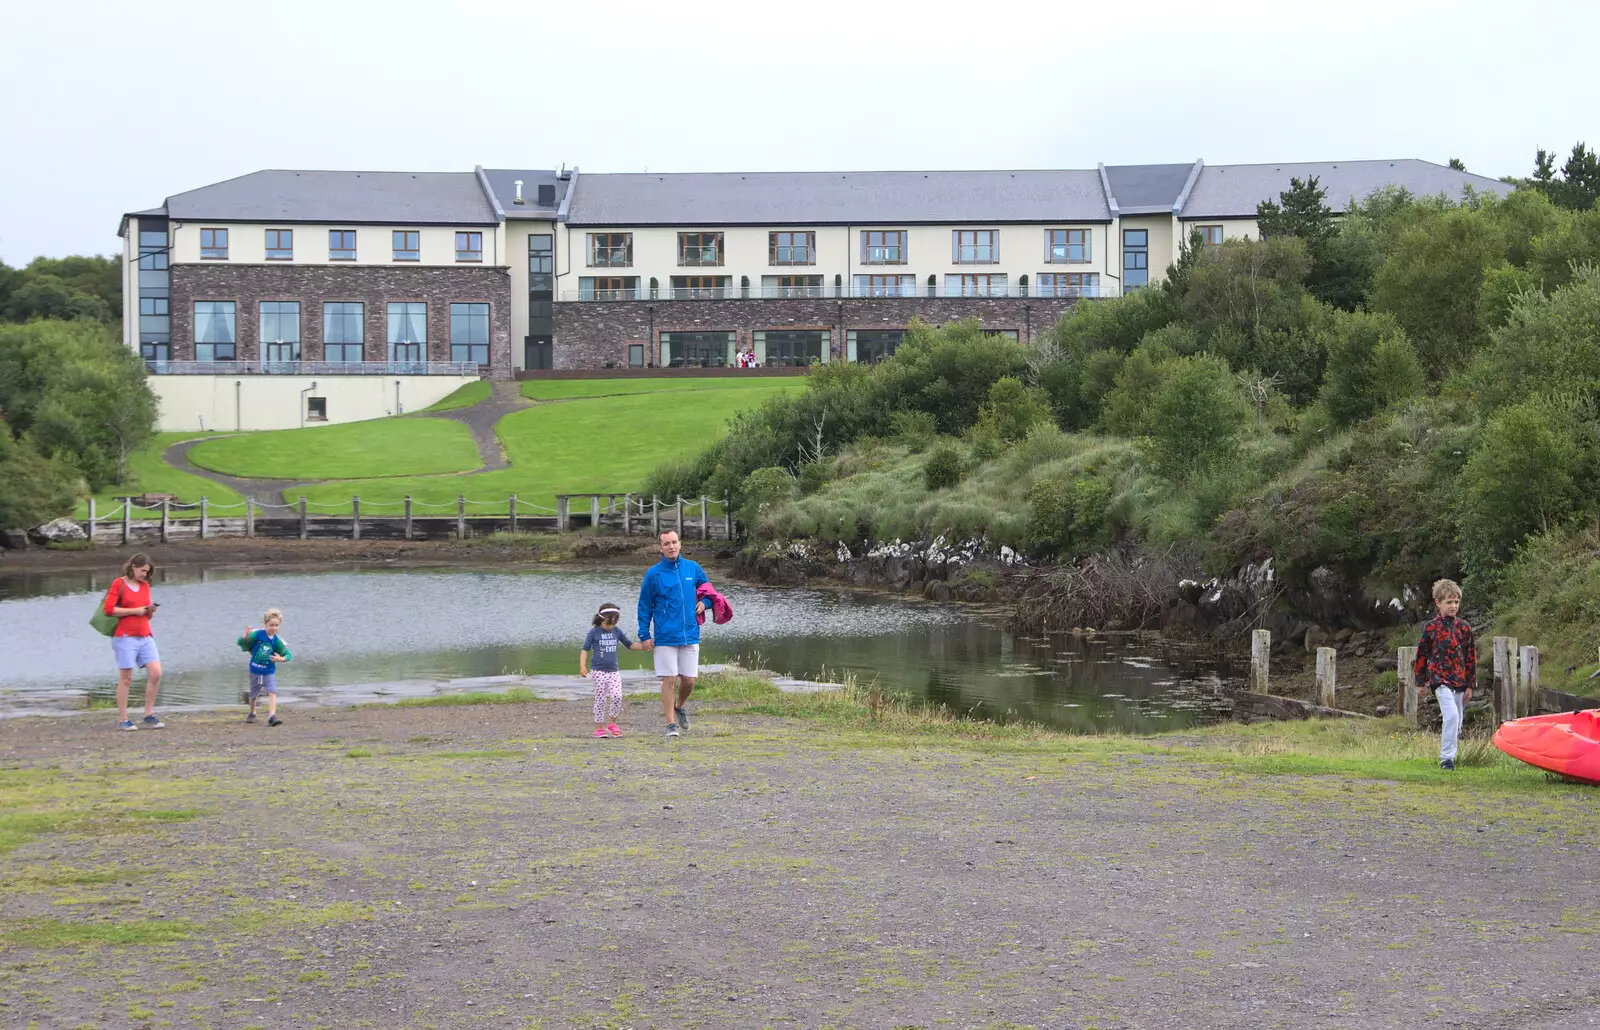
point(493, 866)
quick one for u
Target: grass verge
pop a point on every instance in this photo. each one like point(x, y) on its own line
point(563, 389)
point(465, 397)
point(516, 695)
point(149, 473)
point(381, 447)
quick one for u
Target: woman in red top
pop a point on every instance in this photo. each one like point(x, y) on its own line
point(128, 600)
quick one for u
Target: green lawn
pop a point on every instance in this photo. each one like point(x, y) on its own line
point(465, 397)
point(560, 389)
point(598, 445)
point(149, 474)
point(381, 447)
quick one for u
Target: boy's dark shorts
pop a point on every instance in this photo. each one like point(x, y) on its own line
point(263, 683)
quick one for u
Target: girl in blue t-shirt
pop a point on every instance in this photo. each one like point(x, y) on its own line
point(602, 641)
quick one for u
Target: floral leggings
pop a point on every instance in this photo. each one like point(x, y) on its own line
point(607, 694)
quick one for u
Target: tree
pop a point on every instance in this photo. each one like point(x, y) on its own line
point(1196, 419)
point(1370, 365)
point(1300, 211)
point(1548, 344)
point(1457, 164)
point(1578, 184)
point(1430, 283)
point(36, 490)
point(1012, 410)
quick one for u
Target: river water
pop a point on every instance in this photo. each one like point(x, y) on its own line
point(359, 633)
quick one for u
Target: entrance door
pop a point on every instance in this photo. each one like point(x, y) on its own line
point(538, 352)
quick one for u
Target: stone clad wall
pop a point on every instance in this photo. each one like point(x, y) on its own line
point(374, 286)
point(589, 334)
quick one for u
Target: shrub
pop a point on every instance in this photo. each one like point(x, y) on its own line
point(1196, 419)
point(942, 470)
point(814, 475)
point(1012, 409)
point(1067, 517)
point(915, 429)
point(1370, 365)
point(763, 490)
point(1549, 344)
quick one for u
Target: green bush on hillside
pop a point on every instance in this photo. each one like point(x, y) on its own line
point(1549, 344)
point(1549, 595)
point(1068, 517)
point(1370, 365)
point(1196, 419)
point(942, 470)
point(915, 429)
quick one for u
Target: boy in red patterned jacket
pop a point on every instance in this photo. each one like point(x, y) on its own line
point(1447, 663)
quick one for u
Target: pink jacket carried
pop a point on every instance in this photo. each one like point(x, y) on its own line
point(721, 610)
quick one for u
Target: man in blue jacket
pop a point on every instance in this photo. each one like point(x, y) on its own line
point(670, 628)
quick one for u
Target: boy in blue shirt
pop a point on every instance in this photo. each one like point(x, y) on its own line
point(266, 650)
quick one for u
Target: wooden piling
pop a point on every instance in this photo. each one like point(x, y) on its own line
point(1505, 678)
point(1260, 656)
point(655, 515)
point(91, 522)
point(594, 512)
point(461, 516)
point(355, 517)
point(205, 518)
point(727, 518)
point(1528, 681)
point(249, 516)
point(127, 521)
point(705, 518)
point(513, 506)
point(304, 527)
point(166, 518)
point(627, 514)
point(677, 515)
point(562, 504)
point(1408, 685)
point(1327, 676)
point(408, 517)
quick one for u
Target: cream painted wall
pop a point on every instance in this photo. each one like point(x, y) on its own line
point(130, 286)
point(929, 251)
point(247, 243)
point(516, 259)
point(193, 403)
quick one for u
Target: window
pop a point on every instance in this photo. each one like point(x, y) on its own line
point(1066, 246)
point(700, 287)
point(883, 248)
point(791, 248)
point(610, 249)
point(1210, 235)
point(469, 333)
point(280, 331)
point(870, 346)
point(316, 409)
point(975, 286)
point(975, 246)
point(1135, 258)
point(343, 332)
point(213, 330)
point(793, 346)
point(341, 244)
point(469, 246)
point(608, 287)
point(1005, 334)
point(635, 355)
point(1069, 284)
point(699, 248)
point(408, 332)
point(407, 245)
point(153, 260)
point(791, 286)
point(885, 286)
point(153, 315)
point(214, 244)
point(696, 350)
point(541, 284)
point(280, 244)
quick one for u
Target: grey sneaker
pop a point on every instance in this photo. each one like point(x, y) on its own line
point(250, 718)
point(672, 729)
point(150, 722)
point(683, 719)
point(126, 724)
point(273, 720)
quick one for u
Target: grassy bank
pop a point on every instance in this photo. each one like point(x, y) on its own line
point(464, 397)
point(149, 473)
point(564, 389)
point(381, 447)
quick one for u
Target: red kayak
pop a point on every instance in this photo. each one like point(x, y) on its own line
point(1567, 743)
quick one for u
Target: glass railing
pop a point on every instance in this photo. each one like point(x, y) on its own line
point(319, 368)
point(846, 291)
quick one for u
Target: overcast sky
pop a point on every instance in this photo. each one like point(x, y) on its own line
point(111, 106)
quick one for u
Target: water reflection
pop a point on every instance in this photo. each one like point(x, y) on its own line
point(364, 626)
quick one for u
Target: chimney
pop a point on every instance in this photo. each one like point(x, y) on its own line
point(518, 184)
point(547, 194)
point(563, 175)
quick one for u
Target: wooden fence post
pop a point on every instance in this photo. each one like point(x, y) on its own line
point(91, 522)
point(408, 516)
point(461, 516)
point(166, 518)
point(655, 516)
point(513, 508)
point(677, 510)
point(1529, 669)
point(727, 518)
point(563, 503)
point(355, 517)
point(594, 512)
point(1260, 657)
point(303, 527)
point(705, 518)
point(1327, 676)
point(127, 521)
point(1408, 685)
point(205, 517)
point(627, 514)
point(249, 516)
point(1505, 677)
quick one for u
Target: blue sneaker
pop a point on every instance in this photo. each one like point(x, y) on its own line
point(683, 718)
point(126, 724)
point(150, 722)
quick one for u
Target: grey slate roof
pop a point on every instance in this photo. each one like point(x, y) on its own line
point(503, 181)
point(274, 195)
point(1147, 189)
point(824, 198)
point(1224, 191)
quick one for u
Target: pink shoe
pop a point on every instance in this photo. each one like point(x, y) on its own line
point(600, 733)
point(614, 730)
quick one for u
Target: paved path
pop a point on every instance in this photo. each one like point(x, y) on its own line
point(496, 867)
point(480, 419)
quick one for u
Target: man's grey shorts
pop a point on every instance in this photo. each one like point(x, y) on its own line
point(263, 683)
point(134, 652)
